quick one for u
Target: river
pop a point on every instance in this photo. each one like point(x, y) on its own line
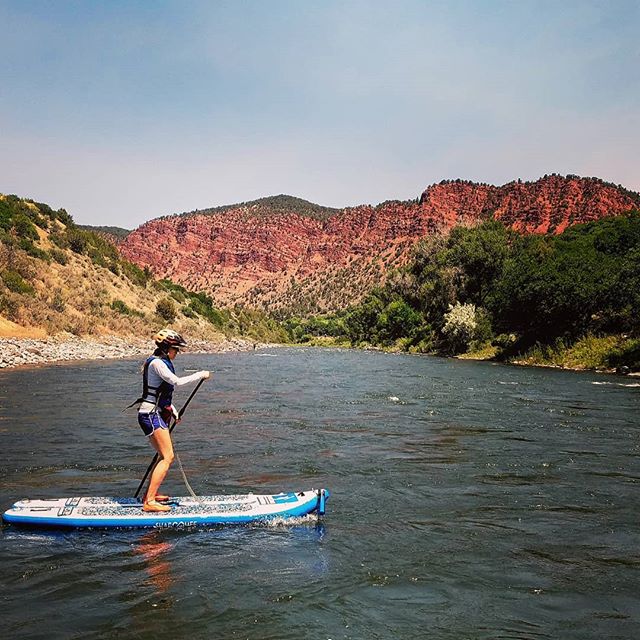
point(469, 500)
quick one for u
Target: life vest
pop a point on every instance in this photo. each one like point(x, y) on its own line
point(161, 395)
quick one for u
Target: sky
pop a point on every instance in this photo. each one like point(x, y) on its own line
point(123, 111)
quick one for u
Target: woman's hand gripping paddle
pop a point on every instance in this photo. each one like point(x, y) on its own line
point(171, 426)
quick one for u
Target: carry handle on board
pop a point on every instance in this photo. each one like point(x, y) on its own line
point(173, 424)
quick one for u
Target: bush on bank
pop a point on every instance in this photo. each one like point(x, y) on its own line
point(488, 286)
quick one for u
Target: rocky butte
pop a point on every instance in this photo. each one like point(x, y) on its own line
point(282, 253)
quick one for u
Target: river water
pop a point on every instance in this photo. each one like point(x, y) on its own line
point(469, 500)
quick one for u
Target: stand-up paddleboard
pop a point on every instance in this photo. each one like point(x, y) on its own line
point(185, 512)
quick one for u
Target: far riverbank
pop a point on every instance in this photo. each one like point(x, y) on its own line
point(587, 354)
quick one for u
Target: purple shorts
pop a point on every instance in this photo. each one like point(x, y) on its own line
point(149, 422)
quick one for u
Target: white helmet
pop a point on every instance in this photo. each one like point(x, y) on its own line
point(169, 338)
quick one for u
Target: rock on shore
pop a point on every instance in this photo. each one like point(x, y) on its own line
point(15, 352)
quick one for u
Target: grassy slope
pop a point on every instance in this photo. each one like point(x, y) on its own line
point(76, 297)
point(46, 289)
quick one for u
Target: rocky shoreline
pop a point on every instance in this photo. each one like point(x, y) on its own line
point(16, 352)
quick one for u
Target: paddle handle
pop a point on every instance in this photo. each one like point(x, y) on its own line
point(171, 427)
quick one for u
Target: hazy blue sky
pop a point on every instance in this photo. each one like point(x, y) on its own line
point(124, 111)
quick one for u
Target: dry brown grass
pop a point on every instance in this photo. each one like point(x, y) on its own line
point(76, 297)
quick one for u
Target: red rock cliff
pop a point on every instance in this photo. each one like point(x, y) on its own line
point(293, 261)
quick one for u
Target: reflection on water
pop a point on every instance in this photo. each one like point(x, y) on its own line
point(155, 553)
point(468, 501)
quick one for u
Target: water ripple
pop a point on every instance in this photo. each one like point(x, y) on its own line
point(469, 500)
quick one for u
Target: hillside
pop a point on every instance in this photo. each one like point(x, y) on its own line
point(275, 257)
point(113, 234)
point(282, 204)
point(56, 277)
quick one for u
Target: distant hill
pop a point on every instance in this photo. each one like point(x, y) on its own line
point(287, 255)
point(272, 205)
point(114, 233)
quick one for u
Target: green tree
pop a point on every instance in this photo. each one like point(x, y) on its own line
point(564, 286)
point(77, 240)
point(24, 228)
point(479, 254)
point(361, 322)
point(397, 320)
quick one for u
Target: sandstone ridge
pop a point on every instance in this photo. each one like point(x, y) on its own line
point(281, 260)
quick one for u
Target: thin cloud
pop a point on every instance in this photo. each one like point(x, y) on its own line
point(121, 111)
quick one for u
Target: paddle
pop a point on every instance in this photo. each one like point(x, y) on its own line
point(173, 424)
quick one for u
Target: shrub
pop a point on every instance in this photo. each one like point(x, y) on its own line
point(58, 303)
point(60, 240)
point(5, 215)
point(16, 283)
point(166, 309)
point(426, 344)
point(59, 256)
point(135, 273)
point(178, 296)
point(96, 257)
point(27, 245)
point(24, 228)
point(77, 240)
point(504, 340)
point(64, 217)
point(81, 326)
point(626, 355)
point(460, 327)
point(202, 305)
point(122, 307)
point(9, 307)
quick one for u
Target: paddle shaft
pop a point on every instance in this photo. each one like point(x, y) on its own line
point(173, 424)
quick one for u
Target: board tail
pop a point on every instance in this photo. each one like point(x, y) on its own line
point(323, 495)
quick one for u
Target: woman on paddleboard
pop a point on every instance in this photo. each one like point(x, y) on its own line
point(156, 409)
